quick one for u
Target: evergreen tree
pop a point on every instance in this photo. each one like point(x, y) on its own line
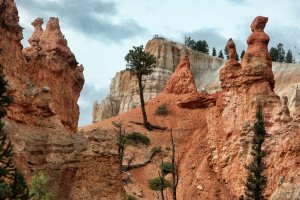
point(256, 181)
point(274, 54)
point(237, 57)
point(281, 52)
point(141, 63)
point(12, 183)
point(226, 52)
point(202, 46)
point(242, 54)
point(189, 42)
point(289, 58)
point(220, 55)
point(214, 52)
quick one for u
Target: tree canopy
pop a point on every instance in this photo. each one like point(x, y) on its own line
point(200, 45)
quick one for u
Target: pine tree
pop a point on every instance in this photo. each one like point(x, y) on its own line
point(12, 183)
point(256, 181)
point(189, 42)
point(141, 63)
point(274, 54)
point(281, 52)
point(242, 54)
point(202, 46)
point(289, 58)
point(220, 55)
point(237, 57)
point(214, 52)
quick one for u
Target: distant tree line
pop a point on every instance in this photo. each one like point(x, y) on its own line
point(278, 54)
point(202, 46)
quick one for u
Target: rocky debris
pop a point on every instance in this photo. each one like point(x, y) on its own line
point(197, 100)
point(51, 63)
point(182, 81)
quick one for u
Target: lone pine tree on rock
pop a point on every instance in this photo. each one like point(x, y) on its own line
point(141, 63)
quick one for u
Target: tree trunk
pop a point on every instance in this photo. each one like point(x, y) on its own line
point(141, 92)
point(174, 168)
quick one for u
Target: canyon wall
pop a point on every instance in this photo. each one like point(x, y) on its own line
point(213, 133)
point(45, 81)
point(123, 94)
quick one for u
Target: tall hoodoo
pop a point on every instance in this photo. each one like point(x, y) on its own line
point(55, 70)
point(182, 81)
point(257, 63)
point(230, 74)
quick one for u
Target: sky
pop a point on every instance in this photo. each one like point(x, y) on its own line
point(101, 32)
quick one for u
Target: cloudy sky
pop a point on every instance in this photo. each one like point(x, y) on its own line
point(100, 32)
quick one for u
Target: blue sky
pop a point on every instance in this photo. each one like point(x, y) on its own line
point(100, 32)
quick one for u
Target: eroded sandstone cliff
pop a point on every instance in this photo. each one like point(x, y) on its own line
point(45, 82)
point(123, 94)
point(205, 69)
point(213, 140)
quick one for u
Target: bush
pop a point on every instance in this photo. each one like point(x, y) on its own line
point(155, 184)
point(166, 167)
point(131, 197)
point(39, 187)
point(136, 138)
point(162, 110)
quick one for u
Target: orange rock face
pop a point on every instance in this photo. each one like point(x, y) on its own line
point(45, 81)
point(53, 67)
point(182, 81)
point(213, 137)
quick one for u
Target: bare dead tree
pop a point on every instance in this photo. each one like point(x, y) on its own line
point(175, 176)
point(121, 142)
point(162, 177)
point(131, 158)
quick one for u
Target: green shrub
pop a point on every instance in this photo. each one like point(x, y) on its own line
point(156, 185)
point(39, 187)
point(131, 197)
point(136, 138)
point(162, 110)
point(166, 167)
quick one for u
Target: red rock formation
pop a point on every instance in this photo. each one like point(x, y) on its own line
point(45, 82)
point(258, 52)
point(53, 68)
point(230, 74)
point(182, 81)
